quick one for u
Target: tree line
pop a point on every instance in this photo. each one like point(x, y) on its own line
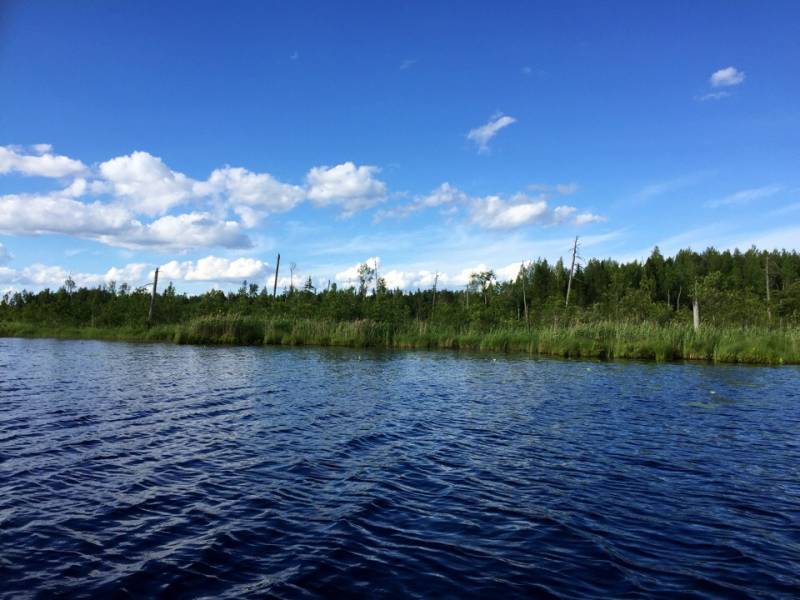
point(750, 288)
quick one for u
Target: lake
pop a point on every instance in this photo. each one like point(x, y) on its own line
point(176, 471)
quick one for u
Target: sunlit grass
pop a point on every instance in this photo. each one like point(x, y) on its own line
point(602, 340)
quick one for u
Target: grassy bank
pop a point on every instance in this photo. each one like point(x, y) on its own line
point(604, 340)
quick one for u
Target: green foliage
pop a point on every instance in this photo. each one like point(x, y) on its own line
point(617, 310)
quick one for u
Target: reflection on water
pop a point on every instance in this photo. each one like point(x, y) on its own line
point(164, 470)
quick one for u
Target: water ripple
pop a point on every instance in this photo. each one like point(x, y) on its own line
point(153, 470)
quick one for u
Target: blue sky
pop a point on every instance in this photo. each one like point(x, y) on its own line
point(205, 137)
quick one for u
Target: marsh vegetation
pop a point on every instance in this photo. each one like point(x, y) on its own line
point(749, 301)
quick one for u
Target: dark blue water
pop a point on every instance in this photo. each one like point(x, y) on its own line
point(157, 470)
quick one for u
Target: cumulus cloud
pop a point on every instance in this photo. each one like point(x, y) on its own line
point(149, 186)
point(139, 195)
point(494, 212)
point(351, 187)
point(41, 164)
point(208, 269)
point(132, 273)
point(114, 224)
point(350, 275)
point(254, 189)
point(394, 278)
point(59, 213)
point(39, 275)
point(726, 77)
point(178, 232)
point(411, 279)
point(483, 134)
point(216, 269)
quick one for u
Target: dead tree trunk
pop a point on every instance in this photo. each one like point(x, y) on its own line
point(571, 270)
point(153, 298)
point(277, 268)
point(766, 277)
point(696, 310)
point(524, 298)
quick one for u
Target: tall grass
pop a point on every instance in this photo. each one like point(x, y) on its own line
point(603, 340)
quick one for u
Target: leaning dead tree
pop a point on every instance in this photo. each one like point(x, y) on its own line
point(153, 298)
point(277, 268)
point(524, 298)
point(571, 270)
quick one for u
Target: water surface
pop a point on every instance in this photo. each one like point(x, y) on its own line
point(174, 471)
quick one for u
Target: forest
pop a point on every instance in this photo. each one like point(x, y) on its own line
point(753, 292)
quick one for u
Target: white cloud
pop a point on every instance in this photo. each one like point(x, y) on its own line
point(5, 256)
point(493, 212)
point(350, 275)
point(412, 279)
point(587, 217)
point(208, 269)
point(114, 224)
point(481, 135)
point(445, 194)
point(132, 273)
point(146, 183)
point(178, 232)
point(216, 269)
point(255, 189)
point(252, 195)
point(394, 278)
point(407, 63)
point(41, 164)
point(39, 275)
point(347, 185)
point(726, 77)
point(58, 213)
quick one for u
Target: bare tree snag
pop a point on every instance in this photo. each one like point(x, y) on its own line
point(524, 297)
point(153, 298)
point(277, 268)
point(571, 270)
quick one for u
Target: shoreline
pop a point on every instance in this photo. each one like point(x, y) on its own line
point(600, 341)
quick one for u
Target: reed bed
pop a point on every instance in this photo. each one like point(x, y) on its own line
point(600, 340)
